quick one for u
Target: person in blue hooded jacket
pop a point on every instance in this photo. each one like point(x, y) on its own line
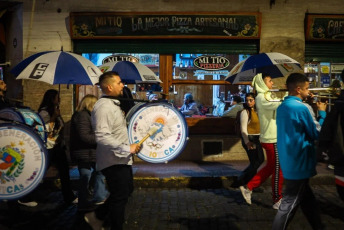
point(297, 129)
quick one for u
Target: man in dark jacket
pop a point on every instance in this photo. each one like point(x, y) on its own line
point(331, 140)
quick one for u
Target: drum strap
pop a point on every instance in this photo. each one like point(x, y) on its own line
point(124, 99)
point(17, 122)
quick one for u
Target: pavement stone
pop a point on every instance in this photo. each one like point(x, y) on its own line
point(155, 206)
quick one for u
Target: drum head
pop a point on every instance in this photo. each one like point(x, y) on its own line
point(23, 160)
point(171, 135)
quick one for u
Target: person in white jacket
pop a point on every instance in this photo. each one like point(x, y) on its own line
point(268, 138)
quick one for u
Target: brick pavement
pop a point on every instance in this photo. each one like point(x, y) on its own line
point(176, 209)
point(155, 206)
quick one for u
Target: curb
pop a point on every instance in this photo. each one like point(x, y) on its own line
point(210, 182)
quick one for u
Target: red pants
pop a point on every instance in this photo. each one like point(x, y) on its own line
point(272, 167)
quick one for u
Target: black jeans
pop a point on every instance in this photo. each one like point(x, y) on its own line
point(119, 179)
point(256, 158)
point(58, 158)
point(297, 193)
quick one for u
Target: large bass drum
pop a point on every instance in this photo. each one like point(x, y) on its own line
point(23, 160)
point(170, 139)
point(133, 110)
point(26, 116)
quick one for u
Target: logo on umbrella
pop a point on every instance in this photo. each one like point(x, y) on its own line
point(38, 70)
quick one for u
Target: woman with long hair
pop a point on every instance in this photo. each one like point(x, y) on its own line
point(250, 131)
point(49, 110)
point(83, 152)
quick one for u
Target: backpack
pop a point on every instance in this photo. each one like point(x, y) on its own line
point(237, 126)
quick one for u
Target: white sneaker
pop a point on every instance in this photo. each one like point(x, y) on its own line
point(28, 204)
point(277, 204)
point(75, 201)
point(246, 193)
point(93, 221)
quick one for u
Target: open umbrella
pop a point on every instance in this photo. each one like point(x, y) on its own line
point(131, 72)
point(58, 67)
point(273, 64)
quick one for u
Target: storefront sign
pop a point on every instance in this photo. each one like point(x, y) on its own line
point(337, 68)
point(113, 58)
point(203, 72)
point(165, 25)
point(208, 62)
point(325, 27)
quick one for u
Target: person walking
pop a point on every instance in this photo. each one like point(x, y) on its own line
point(83, 152)
point(331, 139)
point(114, 153)
point(49, 110)
point(268, 139)
point(297, 130)
point(250, 130)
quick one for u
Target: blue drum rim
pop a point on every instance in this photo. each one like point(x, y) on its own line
point(44, 156)
point(184, 138)
point(16, 111)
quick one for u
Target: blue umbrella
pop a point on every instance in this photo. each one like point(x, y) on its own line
point(58, 67)
point(273, 64)
point(131, 72)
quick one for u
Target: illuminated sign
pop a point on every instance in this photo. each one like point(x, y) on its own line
point(207, 62)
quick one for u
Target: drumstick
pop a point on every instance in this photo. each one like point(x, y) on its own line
point(151, 131)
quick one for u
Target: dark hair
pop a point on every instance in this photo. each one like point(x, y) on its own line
point(248, 109)
point(265, 75)
point(126, 103)
point(48, 101)
point(237, 99)
point(107, 75)
point(296, 79)
point(342, 76)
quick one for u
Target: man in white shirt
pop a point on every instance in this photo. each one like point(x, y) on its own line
point(114, 152)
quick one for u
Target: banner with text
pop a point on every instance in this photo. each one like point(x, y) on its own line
point(165, 25)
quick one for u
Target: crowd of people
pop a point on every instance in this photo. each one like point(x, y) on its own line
point(286, 131)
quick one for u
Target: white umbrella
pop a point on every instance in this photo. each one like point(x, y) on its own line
point(131, 72)
point(273, 64)
point(58, 67)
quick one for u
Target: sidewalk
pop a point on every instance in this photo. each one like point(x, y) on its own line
point(202, 175)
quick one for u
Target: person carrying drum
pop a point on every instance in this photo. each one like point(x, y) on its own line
point(114, 153)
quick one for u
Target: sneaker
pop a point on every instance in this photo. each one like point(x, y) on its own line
point(75, 201)
point(99, 202)
point(246, 193)
point(277, 204)
point(28, 204)
point(93, 221)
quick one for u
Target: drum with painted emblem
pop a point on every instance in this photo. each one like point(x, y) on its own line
point(170, 136)
point(23, 160)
